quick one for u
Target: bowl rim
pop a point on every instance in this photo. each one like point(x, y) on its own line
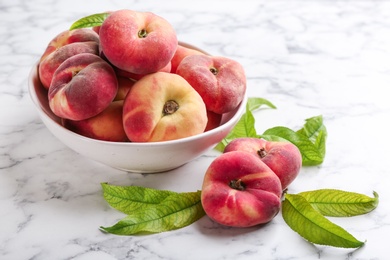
point(34, 77)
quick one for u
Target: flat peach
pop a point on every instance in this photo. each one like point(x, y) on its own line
point(70, 36)
point(220, 81)
point(163, 106)
point(180, 54)
point(137, 42)
point(49, 65)
point(124, 86)
point(106, 126)
point(83, 86)
point(239, 190)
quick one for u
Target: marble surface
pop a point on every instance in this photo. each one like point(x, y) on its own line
point(307, 57)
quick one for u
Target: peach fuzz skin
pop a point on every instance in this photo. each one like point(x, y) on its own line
point(124, 86)
point(146, 117)
point(283, 158)
point(83, 86)
point(134, 76)
point(257, 203)
point(126, 49)
point(67, 37)
point(180, 54)
point(106, 126)
point(214, 120)
point(220, 81)
point(49, 65)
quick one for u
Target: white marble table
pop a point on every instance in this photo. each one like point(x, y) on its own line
point(307, 57)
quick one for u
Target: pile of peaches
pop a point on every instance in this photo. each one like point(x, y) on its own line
point(131, 80)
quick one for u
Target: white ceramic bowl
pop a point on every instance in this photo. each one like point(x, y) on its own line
point(134, 157)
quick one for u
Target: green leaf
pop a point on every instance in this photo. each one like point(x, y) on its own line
point(245, 127)
point(255, 103)
point(89, 21)
point(338, 203)
point(175, 211)
point(129, 199)
point(310, 140)
point(309, 151)
point(315, 130)
point(301, 217)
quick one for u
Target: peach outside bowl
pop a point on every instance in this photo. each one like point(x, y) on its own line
point(128, 156)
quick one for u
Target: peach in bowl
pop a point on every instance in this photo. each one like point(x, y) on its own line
point(135, 149)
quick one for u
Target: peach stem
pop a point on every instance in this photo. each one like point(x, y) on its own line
point(170, 107)
point(237, 184)
point(142, 33)
point(214, 70)
point(262, 153)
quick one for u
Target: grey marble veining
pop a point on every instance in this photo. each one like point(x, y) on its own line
point(307, 57)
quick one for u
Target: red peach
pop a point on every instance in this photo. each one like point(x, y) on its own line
point(106, 126)
point(134, 76)
point(83, 86)
point(220, 81)
point(284, 158)
point(48, 66)
point(239, 190)
point(180, 54)
point(124, 86)
point(214, 120)
point(137, 42)
point(97, 27)
point(70, 36)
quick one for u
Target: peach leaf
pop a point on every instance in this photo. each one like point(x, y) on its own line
point(338, 203)
point(301, 217)
point(89, 21)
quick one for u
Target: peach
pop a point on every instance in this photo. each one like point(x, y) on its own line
point(70, 36)
point(180, 54)
point(214, 120)
point(124, 86)
point(239, 190)
point(48, 66)
point(96, 29)
point(220, 81)
point(137, 42)
point(134, 76)
point(106, 126)
point(284, 158)
point(83, 86)
point(163, 106)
